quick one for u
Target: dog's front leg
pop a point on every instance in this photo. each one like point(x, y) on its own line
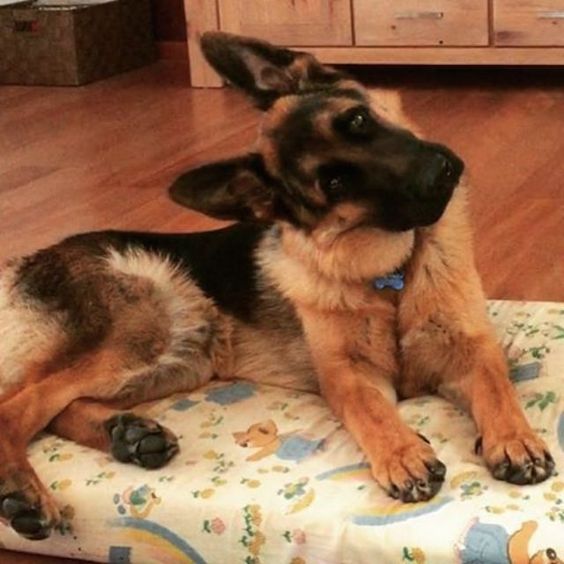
point(402, 462)
point(512, 450)
point(359, 390)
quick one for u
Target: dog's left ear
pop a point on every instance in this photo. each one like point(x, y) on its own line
point(262, 70)
point(235, 189)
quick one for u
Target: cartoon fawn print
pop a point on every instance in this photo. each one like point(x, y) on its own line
point(265, 437)
point(138, 502)
point(484, 542)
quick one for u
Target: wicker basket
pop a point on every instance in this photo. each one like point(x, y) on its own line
point(45, 43)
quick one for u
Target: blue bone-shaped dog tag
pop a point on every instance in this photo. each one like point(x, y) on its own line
point(395, 281)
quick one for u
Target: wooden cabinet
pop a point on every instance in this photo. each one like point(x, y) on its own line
point(529, 22)
point(289, 22)
point(421, 22)
point(432, 32)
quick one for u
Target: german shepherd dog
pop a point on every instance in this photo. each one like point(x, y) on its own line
point(336, 204)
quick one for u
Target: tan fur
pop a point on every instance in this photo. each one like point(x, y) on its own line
point(334, 277)
point(266, 144)
point(26, 339)
point(280, 359)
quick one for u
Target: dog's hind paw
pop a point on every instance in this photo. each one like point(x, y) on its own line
point(140, 441)
point(25, 517)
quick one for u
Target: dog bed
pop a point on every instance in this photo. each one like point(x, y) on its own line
point(267, 474)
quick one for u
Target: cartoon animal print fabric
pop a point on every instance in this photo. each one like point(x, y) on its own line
point(265, 470)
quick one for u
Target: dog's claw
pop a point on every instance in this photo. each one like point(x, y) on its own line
point(531, 472)
point(424, 438)
point(520, 461)
point(418, 490)
point(414, 475)
point(12, 505)
point(437, 469)
point(394, 491)
point(140, 441)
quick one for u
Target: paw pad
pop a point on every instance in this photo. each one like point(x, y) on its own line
point(26, 519)
point(140, 441)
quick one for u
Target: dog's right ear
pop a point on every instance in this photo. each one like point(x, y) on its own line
point(235, 189)
point(264, 71)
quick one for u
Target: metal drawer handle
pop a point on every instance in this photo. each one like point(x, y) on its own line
point(419, 15)
point(551, 15)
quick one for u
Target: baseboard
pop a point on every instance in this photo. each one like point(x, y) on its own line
point(176, 50)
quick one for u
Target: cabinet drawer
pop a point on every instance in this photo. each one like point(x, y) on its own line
point(421, 22)
point(529, 22)
point(289, 22)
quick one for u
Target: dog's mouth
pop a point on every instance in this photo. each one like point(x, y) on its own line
point(401, 212)
point(405, 215)
point(425, 211)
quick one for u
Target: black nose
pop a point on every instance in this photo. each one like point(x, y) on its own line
point(440, 173)
point(445, 166)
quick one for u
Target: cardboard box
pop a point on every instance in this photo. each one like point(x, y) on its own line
point(72, 42)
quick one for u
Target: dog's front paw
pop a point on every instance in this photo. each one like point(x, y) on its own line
point(410, 472)
point(519, 459)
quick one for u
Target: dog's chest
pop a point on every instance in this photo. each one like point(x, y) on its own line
point(367, 338)
point(373, 341)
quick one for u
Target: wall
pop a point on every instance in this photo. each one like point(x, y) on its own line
point(168, 20)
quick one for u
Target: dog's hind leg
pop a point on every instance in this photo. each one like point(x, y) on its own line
point(130, 436)
point(127, 436)
point(24, 500)
point(127, 326)
point(105, 375)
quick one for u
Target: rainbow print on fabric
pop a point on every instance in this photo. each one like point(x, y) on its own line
point(397, 512)
point(360, 471)
point(155, 542)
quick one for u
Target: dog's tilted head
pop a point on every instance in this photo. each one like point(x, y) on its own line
point(324, 154)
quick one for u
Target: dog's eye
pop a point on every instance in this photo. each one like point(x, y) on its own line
point(337, 180)
point(551, 554)
point(335, 184)
point(358, 123)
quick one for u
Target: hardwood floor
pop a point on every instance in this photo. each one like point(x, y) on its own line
point(101, 156)
point(75, 159)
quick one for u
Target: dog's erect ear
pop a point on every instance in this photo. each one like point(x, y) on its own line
point(236, 189)
point(264, 71)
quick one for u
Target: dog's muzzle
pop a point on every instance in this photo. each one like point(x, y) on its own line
point(440, 176)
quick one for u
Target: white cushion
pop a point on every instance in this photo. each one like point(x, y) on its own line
point(310, 498)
